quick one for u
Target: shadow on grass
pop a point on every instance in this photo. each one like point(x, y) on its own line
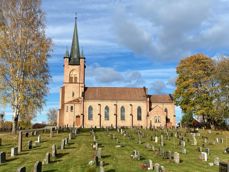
point(111, 170)
point(60, 155)
point(106, 156)
point(11, 159)
point(70, 147)
point(50, 170)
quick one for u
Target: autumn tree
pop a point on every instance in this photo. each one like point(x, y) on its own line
point(194, 86)
point(221, 91)
point(24, 49)
point(52, 116)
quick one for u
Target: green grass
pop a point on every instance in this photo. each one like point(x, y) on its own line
point(79, 152)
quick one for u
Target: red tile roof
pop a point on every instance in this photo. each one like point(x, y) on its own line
point(115, 93)
point(166, 98)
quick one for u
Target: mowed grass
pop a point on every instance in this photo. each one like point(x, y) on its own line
point(76, 156)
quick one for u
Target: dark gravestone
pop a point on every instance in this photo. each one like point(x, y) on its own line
point(47, 158)
point(19, 141)
point(21, 169)
point(54, 151)
point(227, 150)
point(37, 167)
point(224, 167)
point(2, 157)
point(0, 141)
point(97, 161)
point(30, 144)
point(26, 134)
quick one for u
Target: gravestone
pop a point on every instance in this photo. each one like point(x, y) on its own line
point(183, 151)
point(194, 141)
point(39, 139)
point(101, 168)
point(30, 144)
point(217, 140)
point(54, 151)
point(26, 134)
point(224, 167)
point(47, 158)
point(99, 152)
point(96, 161)
point(14, 151)
point(51, 132)
point(70, 136)
point(0, 141)
point(19, 141)
point(150, 165)
point(162, 169)
point(216, 161)
point(204, 156)
point(221, 140)
point(156, 139)
point(2, 157)
point(162, 140)
point(66, 141)
point(226, 150)
point(200, 149)
point(207, 150)
point(183, 143)
point(21, 169)
point(176, 157)
point(62, 144)
point(157, 167)
point(37, 167)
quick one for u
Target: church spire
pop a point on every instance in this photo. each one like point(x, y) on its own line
point(75, 52)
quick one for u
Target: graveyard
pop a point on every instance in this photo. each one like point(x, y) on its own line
point(111, 150)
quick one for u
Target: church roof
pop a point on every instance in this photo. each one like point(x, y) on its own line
point(166, 98)
point(115, 93)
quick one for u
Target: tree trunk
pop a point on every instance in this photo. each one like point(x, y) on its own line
point(15, 124)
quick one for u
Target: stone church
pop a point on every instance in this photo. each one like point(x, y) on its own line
point(87, 107)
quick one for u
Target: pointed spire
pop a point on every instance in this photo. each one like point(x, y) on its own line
point(75, 53)
point(66, 53)
point(81, 53)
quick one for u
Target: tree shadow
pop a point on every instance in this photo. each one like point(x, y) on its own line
point(111, 170)
point(50, 170)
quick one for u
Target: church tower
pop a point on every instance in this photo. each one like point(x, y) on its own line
point(72, 91)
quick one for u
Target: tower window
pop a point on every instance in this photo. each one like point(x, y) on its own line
point(73, 76)
point(71, 108)
point(73, 94)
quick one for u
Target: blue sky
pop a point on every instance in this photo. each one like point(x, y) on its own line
point(133, 43)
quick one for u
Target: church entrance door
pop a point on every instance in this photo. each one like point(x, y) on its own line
point(78, 121)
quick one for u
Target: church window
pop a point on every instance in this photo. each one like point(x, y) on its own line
point(139, 113)
point(90, 113)
point(73, 94)
point(155, 119)
point(159, 119)
point(71, 109)
point(73, 76)
point(106, 113)
point(122, 112)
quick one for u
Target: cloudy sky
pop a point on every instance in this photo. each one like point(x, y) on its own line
point(133, 43)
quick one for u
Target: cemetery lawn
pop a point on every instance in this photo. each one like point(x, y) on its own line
point(77, 154)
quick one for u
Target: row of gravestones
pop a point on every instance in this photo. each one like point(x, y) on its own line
point(14, 150)
point(203, 156)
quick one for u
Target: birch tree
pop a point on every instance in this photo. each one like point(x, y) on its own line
point(24, 49)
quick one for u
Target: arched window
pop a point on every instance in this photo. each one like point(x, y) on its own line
point(122, 112)
point(90, 113)
point(106, 113)
point(73, 76)
point(159, 119)
point(139, 113)
point(155, 119)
